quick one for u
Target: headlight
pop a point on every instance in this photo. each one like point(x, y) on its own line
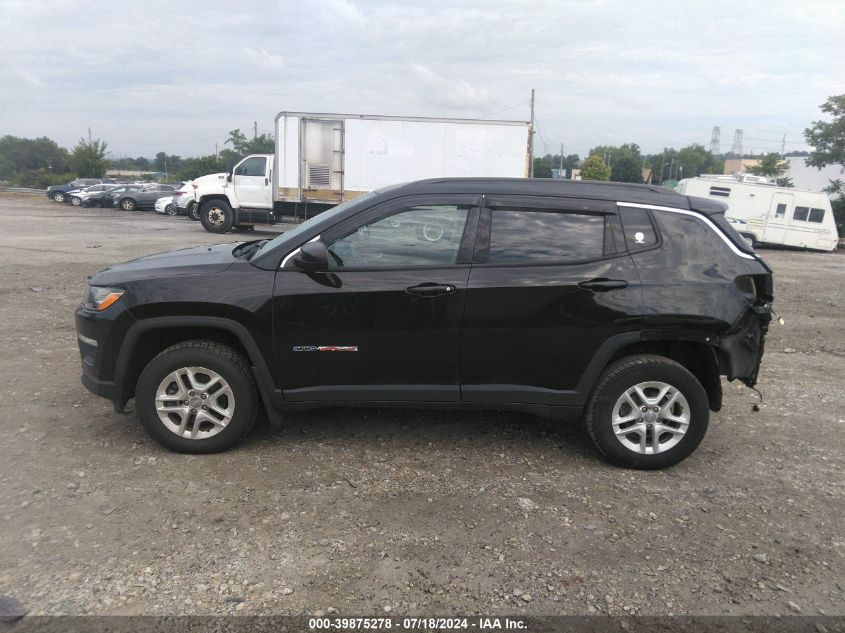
point(99, 299)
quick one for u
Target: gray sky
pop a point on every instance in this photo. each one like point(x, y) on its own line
point(175, 76)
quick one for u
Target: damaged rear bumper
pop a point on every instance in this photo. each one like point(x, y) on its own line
point(741, 350)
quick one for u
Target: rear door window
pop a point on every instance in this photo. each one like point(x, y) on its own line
point(816, 215)
point(801, 213)
point(539, 236)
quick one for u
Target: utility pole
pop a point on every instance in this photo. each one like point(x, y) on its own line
point(783, 146)
point(531, 139)
point(89, 136)
point(216, 153)
point(561, 174)
point(254, 130)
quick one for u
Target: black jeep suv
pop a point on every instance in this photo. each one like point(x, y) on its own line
point(621, 304)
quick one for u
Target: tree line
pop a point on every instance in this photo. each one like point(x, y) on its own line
point(40, 162)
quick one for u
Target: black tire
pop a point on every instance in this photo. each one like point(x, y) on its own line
point(214, 356)
point(58, 197)
point(170, 210)
point(625, 374)
point(128, 204)
point(217, 216)
point(193, 212)
point(76, 201)
point(752, 241)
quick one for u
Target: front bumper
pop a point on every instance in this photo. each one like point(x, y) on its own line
point(99, 336)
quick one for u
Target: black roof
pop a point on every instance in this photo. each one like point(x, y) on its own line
point(583, 189)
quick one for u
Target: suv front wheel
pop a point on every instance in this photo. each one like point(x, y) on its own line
point(647, 412)
point(197, 397)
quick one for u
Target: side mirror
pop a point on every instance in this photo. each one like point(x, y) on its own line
point(229, 177)
point(312, 256)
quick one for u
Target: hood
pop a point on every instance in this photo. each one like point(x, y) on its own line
point(200, 260)
point(210, 179)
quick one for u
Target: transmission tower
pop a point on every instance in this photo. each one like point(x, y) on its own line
point(715, 149)
point(737, 146)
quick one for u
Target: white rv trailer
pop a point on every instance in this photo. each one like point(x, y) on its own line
point(764, 213)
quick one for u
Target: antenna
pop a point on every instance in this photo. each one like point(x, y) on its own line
point(737, 146)
point(715, 149)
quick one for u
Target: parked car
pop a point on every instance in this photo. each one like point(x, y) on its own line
point(183, 201)
point(165, 205)
point(58, 193)
point(108, 198)
point(619, 303)
point(85, 196)
point(144, 198)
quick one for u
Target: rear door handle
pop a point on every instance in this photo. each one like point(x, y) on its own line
point(431, 290)
point(603, 285)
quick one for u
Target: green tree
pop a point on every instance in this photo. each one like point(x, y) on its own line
point(593, 168)
point(828, 137)
point(692, 160)
point(770, 165)
point(88, 158)
point(261, 144)
point(21, 158)
point(543, 165)
point(828, 141)
point(627, 169)
point(167, 164)
point(201, 166)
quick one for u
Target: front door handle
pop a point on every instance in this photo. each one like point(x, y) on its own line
point(603, 285)
point(431, 289)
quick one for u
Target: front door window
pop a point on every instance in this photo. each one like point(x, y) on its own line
point(424, 235)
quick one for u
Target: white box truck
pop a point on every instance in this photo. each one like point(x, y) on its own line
point(764, 213)
point(322, 160)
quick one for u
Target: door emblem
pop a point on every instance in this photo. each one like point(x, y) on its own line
point(325, 348)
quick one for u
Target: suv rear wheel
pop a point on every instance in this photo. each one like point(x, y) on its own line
point(197, 397)
point(647, 412)
point(59, 196)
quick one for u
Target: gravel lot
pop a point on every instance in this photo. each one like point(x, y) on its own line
point(406, 512)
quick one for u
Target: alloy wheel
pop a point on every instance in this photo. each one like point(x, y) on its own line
point(650, 417)
point(194, 402)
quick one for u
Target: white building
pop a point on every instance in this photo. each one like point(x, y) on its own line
point(806, 177)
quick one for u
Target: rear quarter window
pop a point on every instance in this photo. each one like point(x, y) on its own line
point(640, 232)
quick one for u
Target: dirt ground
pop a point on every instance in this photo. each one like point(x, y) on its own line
point(407, 512)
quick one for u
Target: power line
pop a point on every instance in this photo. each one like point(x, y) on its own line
point(526, 102)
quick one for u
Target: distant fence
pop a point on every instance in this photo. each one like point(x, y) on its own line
point(23, 190)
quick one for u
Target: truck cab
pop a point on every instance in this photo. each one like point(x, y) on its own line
point(242, 196)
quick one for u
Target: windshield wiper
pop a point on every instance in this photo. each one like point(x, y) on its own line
point(249, 249)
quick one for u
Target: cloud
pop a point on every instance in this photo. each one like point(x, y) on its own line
point(656, 74)
point(439, 90)
point(264, 58)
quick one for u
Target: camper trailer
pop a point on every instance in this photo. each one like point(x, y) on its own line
point(764, 213)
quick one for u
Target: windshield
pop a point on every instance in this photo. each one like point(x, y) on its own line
point(318, 220)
